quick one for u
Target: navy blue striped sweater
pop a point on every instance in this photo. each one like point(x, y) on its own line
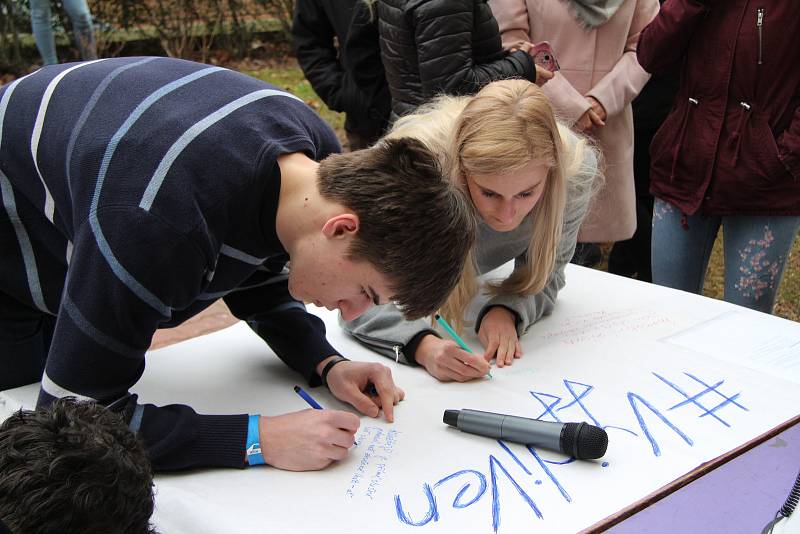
point(137, 191)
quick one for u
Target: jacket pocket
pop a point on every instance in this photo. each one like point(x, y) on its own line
point(667, 151)
point(752, 156)
point(769, 152)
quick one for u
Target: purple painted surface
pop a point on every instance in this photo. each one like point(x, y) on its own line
point(740, 496)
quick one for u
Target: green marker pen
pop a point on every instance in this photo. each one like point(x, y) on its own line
point(456, 337)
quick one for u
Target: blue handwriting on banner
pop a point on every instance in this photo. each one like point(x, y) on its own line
point(372, 469)
point(577, 399)
point(476, 484)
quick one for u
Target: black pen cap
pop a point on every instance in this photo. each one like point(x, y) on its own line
point(451, 417)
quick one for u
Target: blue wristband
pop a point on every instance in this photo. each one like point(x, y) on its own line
point(253, 450)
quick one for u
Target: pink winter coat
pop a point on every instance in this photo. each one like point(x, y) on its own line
point(602, 63)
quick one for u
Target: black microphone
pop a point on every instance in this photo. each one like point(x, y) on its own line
point(580, 440)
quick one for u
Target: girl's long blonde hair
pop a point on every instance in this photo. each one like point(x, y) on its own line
point(502, 128)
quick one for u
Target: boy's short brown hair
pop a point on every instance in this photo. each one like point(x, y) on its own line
point(416, 227)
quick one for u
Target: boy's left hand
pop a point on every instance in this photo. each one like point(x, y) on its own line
point(350, 382)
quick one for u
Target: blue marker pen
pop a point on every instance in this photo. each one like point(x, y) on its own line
point(306, 397)
point(311, 402)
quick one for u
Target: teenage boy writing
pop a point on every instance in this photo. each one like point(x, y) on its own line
point(136, 191)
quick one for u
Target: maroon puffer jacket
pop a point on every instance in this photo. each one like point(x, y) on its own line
point(731, 143)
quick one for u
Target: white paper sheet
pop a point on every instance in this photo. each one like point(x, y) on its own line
point(667, 409)
point(746, 338)
point(636, 359)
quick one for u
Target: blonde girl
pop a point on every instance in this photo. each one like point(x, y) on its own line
point(530, 180)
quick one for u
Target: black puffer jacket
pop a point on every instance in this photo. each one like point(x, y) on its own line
point(443, 46)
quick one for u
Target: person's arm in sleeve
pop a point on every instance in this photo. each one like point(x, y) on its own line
point(296, 336)
point(664, 41)
point(365, 67)
point(121, 285)
point(789, 144)
point(445, 59)
point(622, 83)
point(568, 102)
point(529, 309)
point(384, 330)
point(512, 19)
point(313, 38)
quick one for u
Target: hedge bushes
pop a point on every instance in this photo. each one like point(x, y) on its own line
point(178, 28)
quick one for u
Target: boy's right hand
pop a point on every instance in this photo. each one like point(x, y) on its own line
point(446, 361)
point(308, 440)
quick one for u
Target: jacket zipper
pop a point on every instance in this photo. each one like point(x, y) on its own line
point(380, 343)
point(760, 26)
point(745, 115)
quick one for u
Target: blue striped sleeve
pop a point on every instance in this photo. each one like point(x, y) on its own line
point(296, 336)
point(105, 327)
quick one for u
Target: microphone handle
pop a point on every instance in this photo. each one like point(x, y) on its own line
point(544, 434)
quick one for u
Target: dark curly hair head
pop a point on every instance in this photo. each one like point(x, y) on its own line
point(73, 467)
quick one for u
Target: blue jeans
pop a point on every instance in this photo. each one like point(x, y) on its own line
point(78, 11)
point(756, 250)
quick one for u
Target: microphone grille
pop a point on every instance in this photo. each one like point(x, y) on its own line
point(584, 441)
